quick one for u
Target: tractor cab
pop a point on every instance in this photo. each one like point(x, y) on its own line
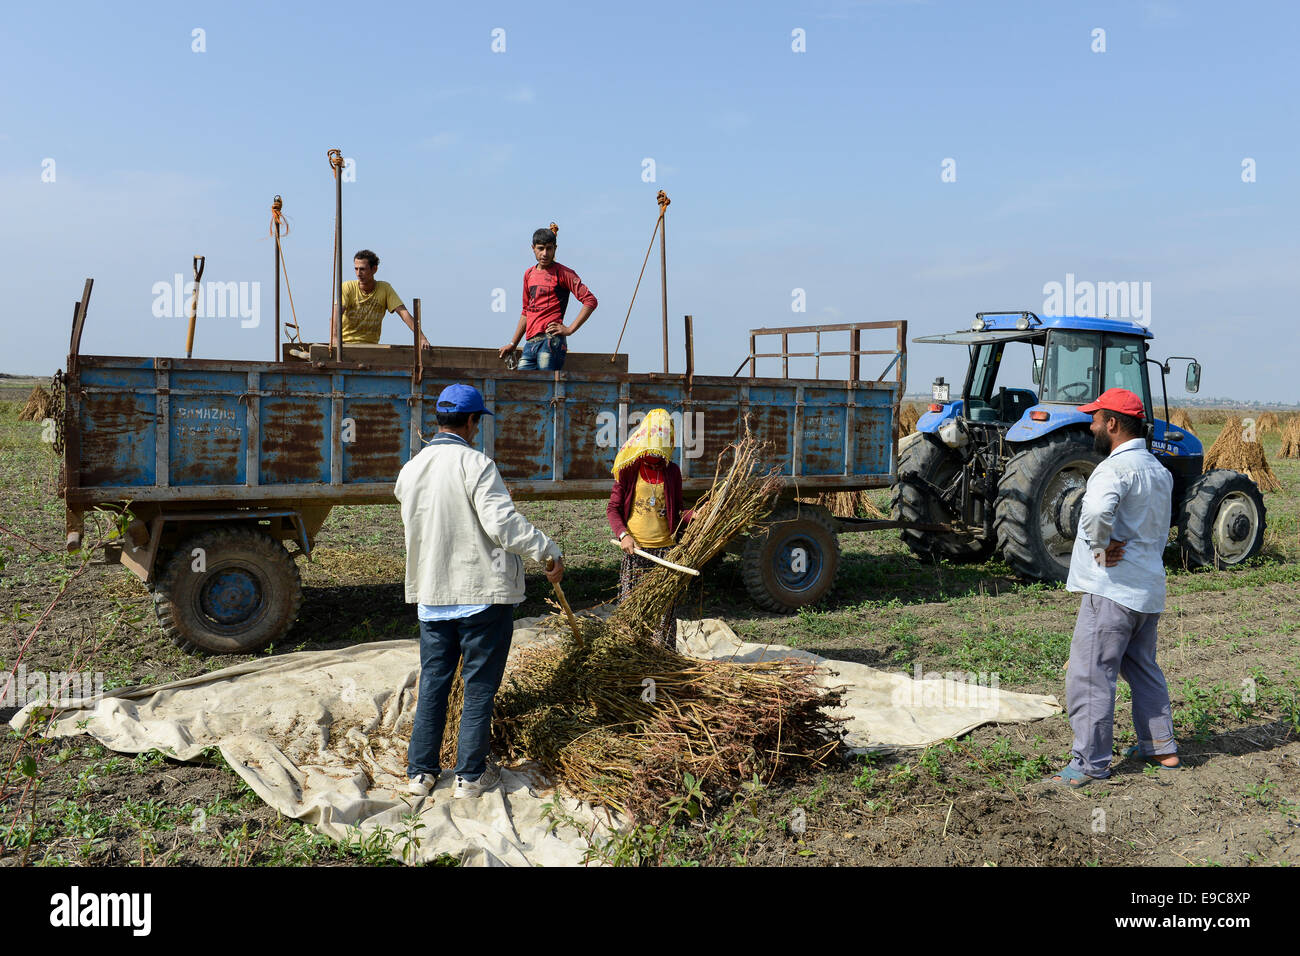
point(1070, 361)
point(997, 346)
point(1003, 468)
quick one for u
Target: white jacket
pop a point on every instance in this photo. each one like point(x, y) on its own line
point(463, 534)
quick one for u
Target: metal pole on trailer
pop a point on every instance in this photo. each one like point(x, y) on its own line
point(663, 201)
point(276, 205)
point(336, 332)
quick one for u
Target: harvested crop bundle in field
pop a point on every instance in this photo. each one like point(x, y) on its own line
point(909, 413)
point(1179, 418)
point(1291, 438)
point(619, 719)
point(848, 504)
point(1230, 450)
point(451, 729)
point(1266, 423)
point(37, 406)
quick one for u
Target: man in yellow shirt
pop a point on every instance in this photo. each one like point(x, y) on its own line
point(365, 303)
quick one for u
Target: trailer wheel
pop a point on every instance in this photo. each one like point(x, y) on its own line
point(228, 591)
point(1221, 521)
point(791, 561)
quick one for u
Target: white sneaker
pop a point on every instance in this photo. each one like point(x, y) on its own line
point(473, 788)
point(422, 783)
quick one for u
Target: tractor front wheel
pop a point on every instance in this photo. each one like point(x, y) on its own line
point(1221, 522)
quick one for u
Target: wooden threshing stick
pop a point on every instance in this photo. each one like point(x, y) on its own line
point(564, 603)
point(650, 557)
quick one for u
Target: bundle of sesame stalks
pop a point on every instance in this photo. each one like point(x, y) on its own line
point(1290, 438)
point(1232, 450)
point(37, 406)
point(848, 504)
point(619, 719)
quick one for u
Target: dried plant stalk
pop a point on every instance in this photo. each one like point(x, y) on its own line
point(619, 719)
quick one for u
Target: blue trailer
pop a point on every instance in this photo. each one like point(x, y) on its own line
point(229, 468)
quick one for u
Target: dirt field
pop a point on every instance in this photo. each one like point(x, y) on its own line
point(1230, 648)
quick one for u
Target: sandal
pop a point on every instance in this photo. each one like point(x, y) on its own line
point(1069, 777)
point(1154, 761)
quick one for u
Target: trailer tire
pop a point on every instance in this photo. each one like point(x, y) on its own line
point(244, 592)
point(1222, 520)
point(926, 458)
point(791, 561)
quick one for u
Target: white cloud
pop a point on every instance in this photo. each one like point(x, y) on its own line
point(949, 271)
point(440, 141)
point(496, 157)
point(732, 121)
point(1156, 11)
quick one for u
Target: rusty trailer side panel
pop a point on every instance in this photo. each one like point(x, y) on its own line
point(193, 431)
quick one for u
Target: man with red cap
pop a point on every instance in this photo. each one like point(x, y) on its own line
point(1118, 565)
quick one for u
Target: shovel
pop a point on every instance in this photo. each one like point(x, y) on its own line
point(194, 306)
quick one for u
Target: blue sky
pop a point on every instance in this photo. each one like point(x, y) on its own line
point(816, 170)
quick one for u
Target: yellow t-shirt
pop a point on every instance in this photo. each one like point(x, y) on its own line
point(649, 519)
point(363, 315)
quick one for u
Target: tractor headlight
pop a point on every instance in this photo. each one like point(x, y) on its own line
point(977, 325)
point(1022, 323)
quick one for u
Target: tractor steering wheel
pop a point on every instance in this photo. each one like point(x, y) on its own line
point(1083, 389)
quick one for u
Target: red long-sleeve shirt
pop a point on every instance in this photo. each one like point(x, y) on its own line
point(546, 296)
point(623, 495)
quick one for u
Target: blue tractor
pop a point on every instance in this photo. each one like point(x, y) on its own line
point(1004, 468)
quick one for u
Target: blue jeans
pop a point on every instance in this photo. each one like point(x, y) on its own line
point(544, 353)
point(480, 643)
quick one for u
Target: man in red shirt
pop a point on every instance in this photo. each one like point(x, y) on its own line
point(547, 287)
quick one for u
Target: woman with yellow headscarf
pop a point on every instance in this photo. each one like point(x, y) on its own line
point(645, 505)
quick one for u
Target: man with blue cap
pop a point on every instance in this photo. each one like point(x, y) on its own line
point(464, 540)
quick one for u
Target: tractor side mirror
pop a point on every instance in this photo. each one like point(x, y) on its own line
point(1193, 382)
point(1038, 371)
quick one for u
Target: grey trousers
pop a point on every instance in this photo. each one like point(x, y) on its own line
point(1110, 641)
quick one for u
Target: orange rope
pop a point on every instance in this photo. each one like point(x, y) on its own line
point(278, 223)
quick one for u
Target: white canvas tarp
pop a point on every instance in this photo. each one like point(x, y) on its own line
point(321, 736)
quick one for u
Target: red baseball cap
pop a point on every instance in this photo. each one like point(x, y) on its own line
point(1117, 400)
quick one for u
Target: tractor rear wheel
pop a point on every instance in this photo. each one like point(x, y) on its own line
point(1040, 497)
point(929, 472)
point(1222, 519)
